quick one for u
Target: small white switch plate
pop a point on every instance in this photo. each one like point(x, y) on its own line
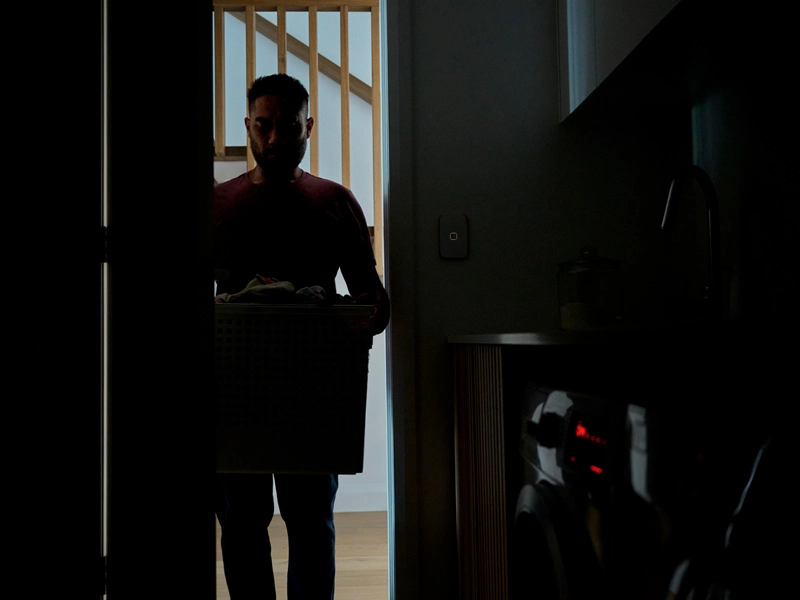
point(453, 236)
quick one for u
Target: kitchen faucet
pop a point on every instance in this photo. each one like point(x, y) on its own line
point(714, 288)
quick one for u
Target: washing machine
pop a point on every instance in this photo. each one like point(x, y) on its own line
point(752, 560)
point(616, 494)
point(572, 451)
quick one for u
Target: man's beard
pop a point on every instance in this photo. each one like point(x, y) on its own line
point(284, 160)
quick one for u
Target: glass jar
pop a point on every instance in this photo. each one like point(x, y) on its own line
point(589, 292)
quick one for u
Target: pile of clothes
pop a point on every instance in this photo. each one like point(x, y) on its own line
point(269, 290)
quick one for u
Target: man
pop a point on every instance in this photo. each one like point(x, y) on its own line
point(282, 223)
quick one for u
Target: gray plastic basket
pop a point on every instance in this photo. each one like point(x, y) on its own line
point(290, 386)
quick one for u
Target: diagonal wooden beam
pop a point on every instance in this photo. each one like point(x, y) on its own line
point(300, 50)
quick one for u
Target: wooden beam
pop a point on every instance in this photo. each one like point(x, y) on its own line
point(281, 39)
point(377, 166)
point(250, 66)
point(219, 82)
point(344, 48)
point(313, 87)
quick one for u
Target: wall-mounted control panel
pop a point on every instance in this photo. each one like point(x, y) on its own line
point(453, 236)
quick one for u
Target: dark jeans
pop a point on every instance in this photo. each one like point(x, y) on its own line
point(244, 509)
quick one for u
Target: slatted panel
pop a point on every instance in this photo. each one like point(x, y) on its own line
point(298, 49)
point(329, 5)
point(480, 473)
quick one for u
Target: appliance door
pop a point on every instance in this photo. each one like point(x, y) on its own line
point(552, 553)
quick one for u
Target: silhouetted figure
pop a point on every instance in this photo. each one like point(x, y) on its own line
point(280, 222)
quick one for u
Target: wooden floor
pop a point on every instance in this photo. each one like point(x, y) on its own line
point(362, 557)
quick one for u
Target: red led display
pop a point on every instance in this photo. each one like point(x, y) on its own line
point(582, 432)
point(593, 468)
point(586, 447)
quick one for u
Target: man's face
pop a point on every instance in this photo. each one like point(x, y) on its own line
point(278, 132)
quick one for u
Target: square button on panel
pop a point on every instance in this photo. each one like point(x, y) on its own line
point(453, 236)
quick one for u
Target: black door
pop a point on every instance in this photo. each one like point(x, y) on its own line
point(153, 104)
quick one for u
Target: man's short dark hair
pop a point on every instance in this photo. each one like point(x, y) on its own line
point(281, 85)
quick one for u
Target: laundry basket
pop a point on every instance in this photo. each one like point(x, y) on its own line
point(290, 385)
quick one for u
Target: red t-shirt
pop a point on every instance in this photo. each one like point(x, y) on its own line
point(302, 232)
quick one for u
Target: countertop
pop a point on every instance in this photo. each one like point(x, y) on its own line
point(688, 332)
point(684, 364)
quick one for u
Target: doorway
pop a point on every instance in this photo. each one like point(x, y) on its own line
point(336, 55)
point(158, 109)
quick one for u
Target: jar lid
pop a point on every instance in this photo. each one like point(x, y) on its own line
point(588, 259)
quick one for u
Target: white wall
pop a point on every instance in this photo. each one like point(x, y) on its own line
point(366, 491)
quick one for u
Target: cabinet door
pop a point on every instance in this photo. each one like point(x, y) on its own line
point(619, 27)
point(594, 37)
point(576, 53)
